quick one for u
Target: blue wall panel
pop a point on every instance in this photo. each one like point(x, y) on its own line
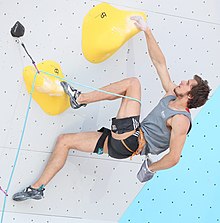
point(188, 192)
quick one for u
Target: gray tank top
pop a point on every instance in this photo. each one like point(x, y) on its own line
point(154, 126)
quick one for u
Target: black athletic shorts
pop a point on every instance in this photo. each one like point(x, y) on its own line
point(120, 149)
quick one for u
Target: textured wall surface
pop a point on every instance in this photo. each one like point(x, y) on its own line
point(95, 187)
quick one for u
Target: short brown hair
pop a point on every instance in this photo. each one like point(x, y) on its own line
point(199, 93)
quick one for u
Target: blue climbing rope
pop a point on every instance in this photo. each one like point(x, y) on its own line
point(89, 87)
point(19, 147)
point(26, 119)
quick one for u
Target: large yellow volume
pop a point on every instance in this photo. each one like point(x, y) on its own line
point(105, 30)
point(48, 92)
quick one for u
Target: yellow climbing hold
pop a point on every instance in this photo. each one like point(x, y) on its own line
point(48, 92)
point(105, 30)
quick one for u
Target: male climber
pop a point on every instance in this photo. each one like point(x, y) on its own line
point(165, 127)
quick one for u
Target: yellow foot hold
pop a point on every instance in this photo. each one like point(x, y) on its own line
point(48, 92)
point(105, 30)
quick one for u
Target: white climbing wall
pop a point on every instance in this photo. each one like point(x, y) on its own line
point(90, 188)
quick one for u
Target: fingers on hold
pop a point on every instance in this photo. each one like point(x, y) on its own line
point(135, 18)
